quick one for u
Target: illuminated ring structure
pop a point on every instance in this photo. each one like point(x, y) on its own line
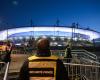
point(48, 31)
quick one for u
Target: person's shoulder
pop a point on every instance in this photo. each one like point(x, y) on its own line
point(32, 57)
point(49, 57)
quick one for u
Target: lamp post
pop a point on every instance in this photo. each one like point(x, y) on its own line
point(73, 32)
point(7, 30)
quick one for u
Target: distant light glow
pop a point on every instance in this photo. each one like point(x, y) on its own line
point(18, 44)
point(44, 37)
point(15, 2)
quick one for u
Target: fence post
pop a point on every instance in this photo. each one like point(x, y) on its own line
point(6, 71)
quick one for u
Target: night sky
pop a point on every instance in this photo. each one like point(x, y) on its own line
point(16, 13)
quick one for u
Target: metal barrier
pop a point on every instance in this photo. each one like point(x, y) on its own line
point(2, 70)
point(85, 54)
point(82, 71)
point(4, 67)
point(6, 71)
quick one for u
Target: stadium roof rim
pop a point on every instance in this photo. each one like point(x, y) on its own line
point(63, 26)
point(4, 33)
point(55, 26)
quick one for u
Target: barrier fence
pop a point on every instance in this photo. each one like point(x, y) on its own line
point(82, 71)
point(2, 70)
point(4, 67)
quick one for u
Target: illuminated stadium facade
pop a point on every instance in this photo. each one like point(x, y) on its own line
point(53, 32)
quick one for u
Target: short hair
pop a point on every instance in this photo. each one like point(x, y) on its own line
point(43, 44)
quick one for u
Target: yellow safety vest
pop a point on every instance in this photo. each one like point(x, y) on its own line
point(42, 68)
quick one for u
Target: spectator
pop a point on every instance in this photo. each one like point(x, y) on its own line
point(43, 66)
point(68, 54)
point(8, 49)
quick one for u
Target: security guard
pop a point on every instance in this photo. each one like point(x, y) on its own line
point(43, 66)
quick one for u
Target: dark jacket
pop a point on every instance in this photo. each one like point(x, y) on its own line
point(68, 54)
point(6, 57)
point(61, 73)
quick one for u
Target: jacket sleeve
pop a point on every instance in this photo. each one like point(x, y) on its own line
point(62, 73)
point(24, 72)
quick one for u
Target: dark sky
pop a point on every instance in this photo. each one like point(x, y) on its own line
point(45, 12)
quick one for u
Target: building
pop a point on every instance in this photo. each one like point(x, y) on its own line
point(53, 32)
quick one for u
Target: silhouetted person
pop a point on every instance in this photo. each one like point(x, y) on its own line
point(68, 54)
point(7, 52)
point(43, 66)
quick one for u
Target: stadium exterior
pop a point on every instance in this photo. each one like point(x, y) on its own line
point(62, 32)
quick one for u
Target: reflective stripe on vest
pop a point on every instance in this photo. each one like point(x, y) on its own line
point(42, 68)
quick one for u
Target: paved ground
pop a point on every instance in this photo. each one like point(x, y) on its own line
point(16, 62)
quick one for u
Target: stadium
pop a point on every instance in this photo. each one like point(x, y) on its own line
point(62, 32)
point(59, 34)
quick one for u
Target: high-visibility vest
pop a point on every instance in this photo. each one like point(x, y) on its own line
point(42, 68)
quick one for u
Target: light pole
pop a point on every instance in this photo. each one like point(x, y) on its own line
point(7, 30)
point(73, 32)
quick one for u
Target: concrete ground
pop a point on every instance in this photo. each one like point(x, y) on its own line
point(17, 61)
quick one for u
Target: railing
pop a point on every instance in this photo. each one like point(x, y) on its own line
point(85, 54)
point(6, 71)
point(2, 70)
point(4, 67)
point(82, 71)
point(82, 54)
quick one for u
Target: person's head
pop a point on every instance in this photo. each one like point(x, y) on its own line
point(43, 47)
